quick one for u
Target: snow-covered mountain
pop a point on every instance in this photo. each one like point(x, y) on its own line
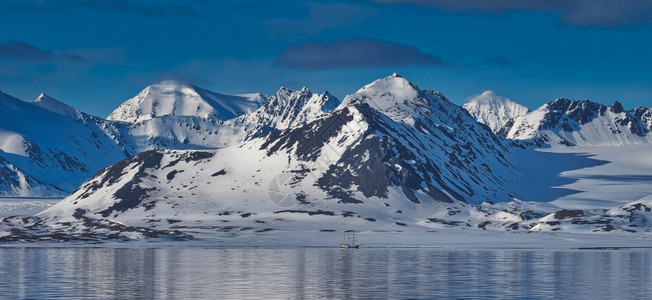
point(49, 148)
point(52, 147)
point(495, 111)
point(565, 122)
point(173, 98)
point(387, 157)
point(292, 108)
point(283, 110)
point(390, 152)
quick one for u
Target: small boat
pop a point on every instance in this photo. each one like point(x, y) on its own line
point(351, 242)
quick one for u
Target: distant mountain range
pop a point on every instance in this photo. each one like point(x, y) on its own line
point(564, 122)
point(178, 156)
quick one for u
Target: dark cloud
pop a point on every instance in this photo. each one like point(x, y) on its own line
point(600, 13)
point(499, 61)
point(354, 53)
point(319, 17)
point(25, 51)
point(106, 6)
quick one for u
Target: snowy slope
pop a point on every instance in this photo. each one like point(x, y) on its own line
point(174, 132)
point(58, 150)
point(48, 142)
point(15, 182)
point(56, 106)
point(565, 122)
point(182, 99)
point(591, 177)
point(495, 111)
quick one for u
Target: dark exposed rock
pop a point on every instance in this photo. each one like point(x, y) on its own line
point(89, 230)
point(113, 173)
point(503, 131)
point(171, 175)
point(348, 214)
point(79, 213)
point(218, 173)
point(483, 225)
point(529, 215)
point(310, 138)
point(565, 214)
point(513, 226)
point(130, 194)
point(617, 108)
point(445, 222)
point(310, 213)
point(188, 157)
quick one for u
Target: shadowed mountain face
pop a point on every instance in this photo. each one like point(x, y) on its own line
point(54, 148)
point(400, 137)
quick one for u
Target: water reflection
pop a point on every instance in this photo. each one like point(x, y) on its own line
point(34, 273)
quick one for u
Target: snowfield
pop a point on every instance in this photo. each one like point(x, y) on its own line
point(25, 206)
point(622, 174)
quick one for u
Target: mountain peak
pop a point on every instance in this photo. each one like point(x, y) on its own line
point(489, 97)
point(289, 108)
point(617, 108)
point(490, 94)
point(177, 98)
point(46, 102)
point(393, 96)
point(172, 82)
point(494, 110)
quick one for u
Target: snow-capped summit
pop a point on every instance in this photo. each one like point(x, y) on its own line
point(393, 96)
point(56, 106)
point(494, 110)
point(283, 110)
point(182, 99)
point(290, 108)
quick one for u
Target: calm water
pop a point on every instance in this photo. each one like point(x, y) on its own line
point(39, 273)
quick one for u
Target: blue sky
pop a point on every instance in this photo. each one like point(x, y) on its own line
point(94, 54)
